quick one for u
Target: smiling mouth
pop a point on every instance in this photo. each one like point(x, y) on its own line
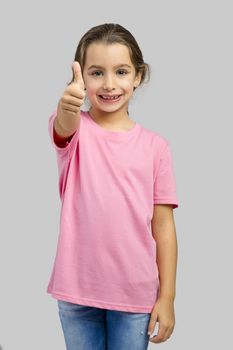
point(110, 97)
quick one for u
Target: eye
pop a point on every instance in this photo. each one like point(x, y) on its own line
point(98, 72)
point(94, 73)
point(123, 72)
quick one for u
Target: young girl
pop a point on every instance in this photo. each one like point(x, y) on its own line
point(115, 267)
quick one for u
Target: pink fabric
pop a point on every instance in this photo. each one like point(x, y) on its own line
point(109, 182)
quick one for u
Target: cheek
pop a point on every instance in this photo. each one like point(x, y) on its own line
point(127, 84)
point(90, 83)
point(92, 88)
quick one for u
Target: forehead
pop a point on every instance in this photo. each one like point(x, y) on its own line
point(107, 55)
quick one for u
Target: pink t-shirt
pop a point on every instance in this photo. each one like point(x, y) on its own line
point(109, 182)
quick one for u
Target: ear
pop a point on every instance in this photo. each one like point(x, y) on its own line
point(137, 79)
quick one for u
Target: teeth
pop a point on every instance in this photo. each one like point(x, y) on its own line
point(110, 98)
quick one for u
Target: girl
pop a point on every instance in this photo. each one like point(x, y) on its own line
point(115, 267)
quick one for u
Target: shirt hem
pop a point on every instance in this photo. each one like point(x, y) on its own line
point(167, 201)
point(101, 304)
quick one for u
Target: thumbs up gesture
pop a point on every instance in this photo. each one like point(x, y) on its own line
point(71, 101)
point(74, 94)
point(78, 78)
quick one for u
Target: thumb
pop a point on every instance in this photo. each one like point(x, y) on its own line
point(152, 323)
point(78, 78)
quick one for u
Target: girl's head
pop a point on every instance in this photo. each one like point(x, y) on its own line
point(102, 53)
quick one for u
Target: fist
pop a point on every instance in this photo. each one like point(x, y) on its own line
point(74, 94)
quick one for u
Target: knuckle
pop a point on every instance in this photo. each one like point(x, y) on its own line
point(167, 325)
point(64, 98)
point(80, 92)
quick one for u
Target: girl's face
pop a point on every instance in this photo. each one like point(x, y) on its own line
point(108, 71)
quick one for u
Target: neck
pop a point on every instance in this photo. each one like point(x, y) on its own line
point(108, 119)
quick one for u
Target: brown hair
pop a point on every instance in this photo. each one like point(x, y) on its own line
point(110, 33)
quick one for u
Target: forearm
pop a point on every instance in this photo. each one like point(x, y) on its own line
point(166, 257)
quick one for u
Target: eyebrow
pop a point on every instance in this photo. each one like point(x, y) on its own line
point(118, 65)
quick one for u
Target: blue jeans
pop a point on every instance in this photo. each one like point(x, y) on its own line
point(91, 328)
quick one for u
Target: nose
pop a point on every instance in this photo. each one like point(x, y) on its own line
point(109, 83)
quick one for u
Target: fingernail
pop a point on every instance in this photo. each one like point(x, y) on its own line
point(149, 333)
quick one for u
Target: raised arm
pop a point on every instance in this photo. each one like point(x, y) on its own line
point(67, 120)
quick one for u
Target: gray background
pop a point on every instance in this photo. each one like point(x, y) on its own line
point(188, 100)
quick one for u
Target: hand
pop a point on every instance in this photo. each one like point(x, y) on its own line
point(74, 95)
point(163, 313)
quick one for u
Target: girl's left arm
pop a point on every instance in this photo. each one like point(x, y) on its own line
point(164, 233)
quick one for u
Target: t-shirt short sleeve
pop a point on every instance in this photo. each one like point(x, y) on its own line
point(64, 154)
point(70, 145)
point(165, 182)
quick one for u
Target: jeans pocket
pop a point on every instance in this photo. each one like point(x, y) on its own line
point(68, 306)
